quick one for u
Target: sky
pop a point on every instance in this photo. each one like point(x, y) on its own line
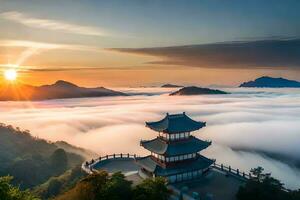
point(117, 43)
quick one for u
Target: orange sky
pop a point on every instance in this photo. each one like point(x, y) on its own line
point(49, 42)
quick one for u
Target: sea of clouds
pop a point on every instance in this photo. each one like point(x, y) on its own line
point(249, 127)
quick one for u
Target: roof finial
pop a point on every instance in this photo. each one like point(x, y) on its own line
point(167, 114)
point(184, 113)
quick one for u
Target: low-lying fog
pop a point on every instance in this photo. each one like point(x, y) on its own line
point(249, 128)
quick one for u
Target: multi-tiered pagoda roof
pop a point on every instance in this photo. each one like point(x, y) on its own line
point(162, 147)
point(174, 153)
point(177, 123)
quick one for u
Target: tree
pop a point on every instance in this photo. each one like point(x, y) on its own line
point(151, 189)
point(10, 192)
point(116, 188)
point(101, 186)
point(89, 188)
point(59, 161)
point(262, 186)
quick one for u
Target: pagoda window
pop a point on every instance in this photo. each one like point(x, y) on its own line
point(179, 177)
point(172, 179)
point(184, 176)
point(181, 157)
point(187, 134)
point(195, 173)
point(199, 172)
point(172, 137)
point(166, 136)
point(185, 156)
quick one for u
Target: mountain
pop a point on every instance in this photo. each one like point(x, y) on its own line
point(171, 86)
point(59, 90)
point(32, 161)
point(193, 90)
point(270, 82)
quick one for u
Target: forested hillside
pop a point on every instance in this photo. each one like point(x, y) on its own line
point(32, 161)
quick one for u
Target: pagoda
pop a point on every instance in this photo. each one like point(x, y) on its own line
point(175, 152)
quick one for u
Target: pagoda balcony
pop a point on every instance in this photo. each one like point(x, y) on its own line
point(165, 164)
point(159, 168)
point(169, 149)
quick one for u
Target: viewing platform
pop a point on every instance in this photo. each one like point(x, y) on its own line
point(175, 155)
point(221, 181)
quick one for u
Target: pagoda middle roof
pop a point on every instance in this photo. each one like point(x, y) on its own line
point(150, 165)
point(175, 123)
point(191, 145)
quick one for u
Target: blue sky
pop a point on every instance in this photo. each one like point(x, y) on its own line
point(145, 23)
point(73, 35)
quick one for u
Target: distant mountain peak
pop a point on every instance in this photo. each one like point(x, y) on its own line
point(271, 82)
point(168, 85)
point(62, 83)
point(193, 90)
point(59, 90)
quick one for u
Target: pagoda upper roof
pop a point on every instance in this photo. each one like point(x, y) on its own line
point(191, 145)
point(150, 165)
point(176, 123)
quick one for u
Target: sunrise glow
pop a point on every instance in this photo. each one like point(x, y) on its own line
point(10, 74)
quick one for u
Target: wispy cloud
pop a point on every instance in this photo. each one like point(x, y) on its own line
point(47, 46)
point(32, 48)
point(54, 25)
point(270, 53)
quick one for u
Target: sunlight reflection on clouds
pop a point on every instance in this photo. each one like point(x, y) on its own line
point(249, 120)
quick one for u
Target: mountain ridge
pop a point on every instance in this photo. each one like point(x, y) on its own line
point(271, 82)
point(193, 90)
point(59, 90)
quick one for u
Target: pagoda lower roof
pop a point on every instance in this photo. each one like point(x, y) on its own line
point(177, 123)
point(150, 165)
point(161, 147)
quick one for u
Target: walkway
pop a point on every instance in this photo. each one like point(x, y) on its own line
point(220, 183)
point(216, 184)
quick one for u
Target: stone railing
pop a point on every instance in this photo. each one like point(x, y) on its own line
point(88, 166)
point(231, 171)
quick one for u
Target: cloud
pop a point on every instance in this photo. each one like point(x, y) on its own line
point(32, 48)
point(47, 46)
point(273, 53)
point(53, 25)
point(253, 119)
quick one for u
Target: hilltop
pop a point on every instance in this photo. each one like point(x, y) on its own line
point(270, 82)
point(59, 90)
point(193, 90)
point(33, 161)
point(171, 86)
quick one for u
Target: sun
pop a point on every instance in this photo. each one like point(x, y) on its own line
point(10, 74)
